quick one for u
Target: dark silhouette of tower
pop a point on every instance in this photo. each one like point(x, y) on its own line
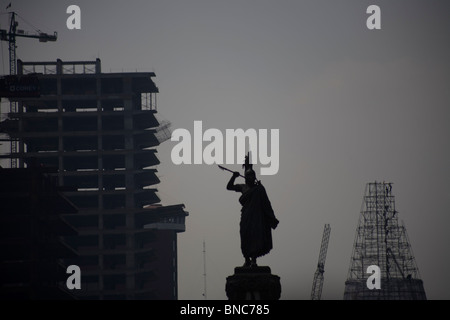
point(100, 133)
point(381, 241)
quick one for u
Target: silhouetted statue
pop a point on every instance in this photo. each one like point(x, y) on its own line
point(257, 216)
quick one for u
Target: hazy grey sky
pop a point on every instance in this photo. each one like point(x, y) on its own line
point(352, 105)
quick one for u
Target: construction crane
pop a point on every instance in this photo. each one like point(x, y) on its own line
point(10, 36)
point(316, 291)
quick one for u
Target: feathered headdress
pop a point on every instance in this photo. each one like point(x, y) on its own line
point(247, 165)
point(249, 169)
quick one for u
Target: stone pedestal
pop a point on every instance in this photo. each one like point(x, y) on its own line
point(253, 283)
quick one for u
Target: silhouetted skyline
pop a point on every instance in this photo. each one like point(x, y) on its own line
point(352, 106)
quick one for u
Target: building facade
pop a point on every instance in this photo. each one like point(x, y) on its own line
point(100, 132)
point(31, 229)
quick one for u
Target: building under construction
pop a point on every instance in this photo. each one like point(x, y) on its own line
point(100, 132)
point(381, 241)
point(31, 227)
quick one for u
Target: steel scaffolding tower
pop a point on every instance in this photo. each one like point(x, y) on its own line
point(380, 240)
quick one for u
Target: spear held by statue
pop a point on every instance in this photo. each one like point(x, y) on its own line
point(247, 165)
point(226, 169)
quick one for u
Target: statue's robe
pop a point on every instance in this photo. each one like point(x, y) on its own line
point(257, 220)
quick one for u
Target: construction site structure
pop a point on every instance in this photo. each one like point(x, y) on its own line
point(10, 36)
point(100, 132)
point(383, 242)
point(316, 291)
point(31, 236)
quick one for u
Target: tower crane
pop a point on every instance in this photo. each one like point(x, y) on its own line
point(316, 291)
point(10, 36)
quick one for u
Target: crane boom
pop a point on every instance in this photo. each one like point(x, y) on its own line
point(316, 291)
point(10, 36)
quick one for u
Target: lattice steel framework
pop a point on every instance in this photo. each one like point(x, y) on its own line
point(316, 291)
point(11, 38)
point(382, 241)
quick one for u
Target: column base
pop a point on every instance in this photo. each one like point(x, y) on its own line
point(253, 283)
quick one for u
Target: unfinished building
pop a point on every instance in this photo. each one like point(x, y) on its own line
point(99, 131)
point(31, 227)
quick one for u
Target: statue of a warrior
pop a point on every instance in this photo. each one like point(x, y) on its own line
point(257, 215)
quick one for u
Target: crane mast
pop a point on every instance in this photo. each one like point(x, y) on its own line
point(10, 36)
point(316, 291)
